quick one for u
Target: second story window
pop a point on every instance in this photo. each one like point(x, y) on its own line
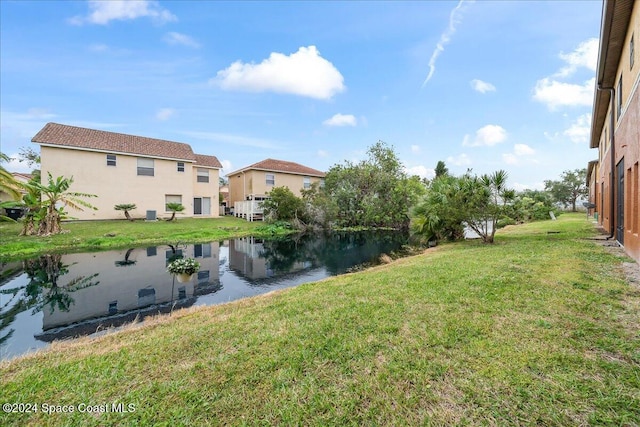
point(145, 167)
point(111, 159)
point(306, 182)
point(203, 175)
point(619, 99)
point(271, 179)
point(180, 166)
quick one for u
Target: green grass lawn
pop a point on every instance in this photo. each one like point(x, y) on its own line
point(98, 235)
point(537, 329)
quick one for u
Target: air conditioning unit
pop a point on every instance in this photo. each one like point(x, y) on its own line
point(151, 216)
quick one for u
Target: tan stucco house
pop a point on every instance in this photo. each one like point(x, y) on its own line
point(255, 181)
point(121, 168)
point(614, 180)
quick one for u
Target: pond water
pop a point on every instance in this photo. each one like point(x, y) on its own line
point(54, 297)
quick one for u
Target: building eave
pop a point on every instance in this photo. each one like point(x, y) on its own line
point(120, 153)
point(616, 15)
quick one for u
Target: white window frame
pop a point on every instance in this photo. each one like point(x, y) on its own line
point(180, 166)
point(171, 198)
point(112, 160)
point(146, 167)
point(202, 175)
point(306, 182)
point(271, 181)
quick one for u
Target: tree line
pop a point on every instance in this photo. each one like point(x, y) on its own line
point(373, 193)
point(378, 193)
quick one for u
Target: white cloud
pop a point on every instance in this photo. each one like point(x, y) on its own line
point(454, 19)
point(341, 120)
point(174, 39)
point(585, 55)
point(557, 94)
point(421, 171)
point(523, 150)
point(460, 160)
point(510, 159)
point(165, 113)
point(415, 149)
point(580, 129)
point(14, 165)
point(486, 136)
point(482, 87)
point(98, 47)
point(246, 141)
point(303, 73)
point(519, 151)
point(322, 153)
point(102, 12)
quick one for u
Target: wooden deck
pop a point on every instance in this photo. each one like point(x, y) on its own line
point(250, 210)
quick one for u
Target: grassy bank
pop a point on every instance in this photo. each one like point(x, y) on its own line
point(98, 235)
point(537, 329)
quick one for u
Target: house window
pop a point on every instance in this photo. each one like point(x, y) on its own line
point(146, 296)
point(307, 182)
point(271, 179)
point(203, 175)
point(152, 251)
point(113, 307)
point(111, 159)
point(322, 183)
point(145, 167)
point(631, 52)
point(619, 98)
point(180, 166)
point(171, 198)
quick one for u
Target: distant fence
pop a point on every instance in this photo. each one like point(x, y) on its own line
point(250, 210)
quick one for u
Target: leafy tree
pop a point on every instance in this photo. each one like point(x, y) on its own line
point(531, 205)
point(487, 198)
point(441, 169)
point(373, 193)
point(453, 202)
point(8, 183)
point(126, 207)
point(173, 208)
point(34, 210)
point(283, 205)
point(438, 216)
point(569, 188)
point(322, 210)
point(56, 196)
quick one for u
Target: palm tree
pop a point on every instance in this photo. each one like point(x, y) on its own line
point(56, 193)
point(126, 207)
point(8, 185)
point(174, 207)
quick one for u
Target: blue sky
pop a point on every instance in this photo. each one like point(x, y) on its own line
point(483, 85)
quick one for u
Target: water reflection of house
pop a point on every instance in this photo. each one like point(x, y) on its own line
point(246, 257)
point(131, 280)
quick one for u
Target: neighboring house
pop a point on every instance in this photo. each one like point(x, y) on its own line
point(120, 168)
point(254, 182)
point(615, 126)
point(22, 178)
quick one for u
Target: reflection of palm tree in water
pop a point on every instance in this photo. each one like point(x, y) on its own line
point(126, 262)
point(42, 290)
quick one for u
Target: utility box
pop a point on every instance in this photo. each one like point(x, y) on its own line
point(14, 213)
point(151, 216)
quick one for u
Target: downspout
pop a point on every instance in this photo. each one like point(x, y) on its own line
point(612, 139)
